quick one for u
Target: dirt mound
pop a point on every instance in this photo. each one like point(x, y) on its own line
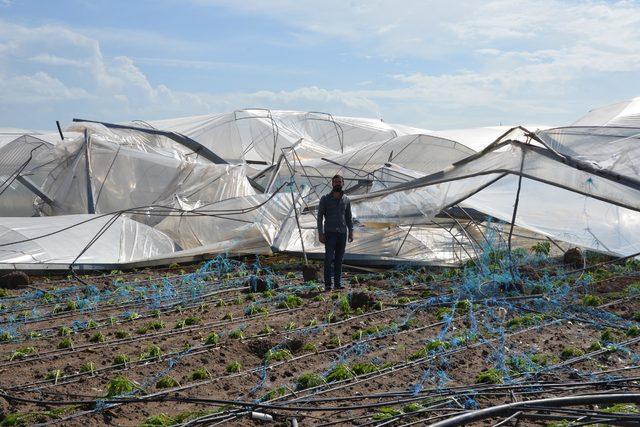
point(14, 280)
point(574, 258)
point(259, 284)
point(294, 345)
point(261, 347)
point(361, 300)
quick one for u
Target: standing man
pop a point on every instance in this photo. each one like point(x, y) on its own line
point(334, 223)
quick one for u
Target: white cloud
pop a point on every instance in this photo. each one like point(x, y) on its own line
point(505, 61)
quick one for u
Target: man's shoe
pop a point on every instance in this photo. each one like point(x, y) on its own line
point(327, 289)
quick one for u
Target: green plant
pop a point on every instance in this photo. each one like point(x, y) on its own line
point(266, 330)
point(155, 325)
point(212, 339)
point(234, 367)
point(308, 380)
point(97, 337)
point(571, 352)
point(608, 335)
point(236, 334)
point(65, 343)
point(622, 408)
point(363, 368)
point(291, 301)
point(153, 352)
point(200, 374)
point(544, 359)
point(386, 412)
point(121, 359)
point(312, 322)
point(541, 248)
point(437, 345)
point(633, 331)
point(120, 385)
point(309, 347)
point(339, 372)
point(91, 324)
point(227, 316)
point(290, 326)
point(5, 336)
point(343, 304)
point(463, 305)
point(121, 334)
point(167, 382)
point(64, 331)
point(411, 407)
point(272, 394)
point(278, 355)
point(54, 375)
point(21, 353)
point(489, 376)
point(441, 312)
point(189, 321)
point(88, 367)
point(591, 300)
point(133, 316)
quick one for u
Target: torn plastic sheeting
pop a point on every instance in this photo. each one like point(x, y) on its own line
point(61, 239)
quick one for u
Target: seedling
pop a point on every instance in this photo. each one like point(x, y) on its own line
point(54, 375)
point(309, 347)
point(65, 343)
point(441, 312)
point(121, 385)
point(200, 374)
point(97, 337)
point(153, 352)
point(212, 339)
point(411, 407)
point(291, 301)
point(343, 304)
point(290, 326)
point(278, 355)
point(541, 248)
point(340, 372)
point(91, 324)
point(167, 382)
point(88, 367)
point(121, 334)
point(591, 300)
point(156, 325)
point(64, 331)
point(633, 331)
point(133, 316)
point(5, 336)
point(121, 359)
point(266, 330)
point(571, 352)
point(234, 367)
point(385, 413)
point(227, 316)
point(308, 380)
point(363, 368)
point(254, 309)
point(489, 376)
point(236, 334)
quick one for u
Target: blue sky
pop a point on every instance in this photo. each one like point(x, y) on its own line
point(431, 64)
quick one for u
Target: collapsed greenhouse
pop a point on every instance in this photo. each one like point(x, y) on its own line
point(98, 194)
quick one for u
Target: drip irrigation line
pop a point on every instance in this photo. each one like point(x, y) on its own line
point(510, 408)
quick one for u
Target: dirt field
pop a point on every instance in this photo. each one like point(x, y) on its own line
point(212, 343)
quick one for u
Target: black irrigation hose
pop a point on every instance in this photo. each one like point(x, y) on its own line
point(510, 408)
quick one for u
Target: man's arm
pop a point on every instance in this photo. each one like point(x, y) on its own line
point(349, 220)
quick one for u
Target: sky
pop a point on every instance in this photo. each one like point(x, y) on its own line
point(429, 64)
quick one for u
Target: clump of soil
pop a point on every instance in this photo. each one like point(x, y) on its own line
point(259, 284)
point(310, 273)
point(361, 300)
point(261, 347)
point(294, 345)
point(529, 272)
point(574, 258)
point(14, 280)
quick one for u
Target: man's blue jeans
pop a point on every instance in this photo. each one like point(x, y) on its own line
point(333, 254)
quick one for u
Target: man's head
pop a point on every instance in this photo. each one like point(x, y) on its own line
point(337, 182)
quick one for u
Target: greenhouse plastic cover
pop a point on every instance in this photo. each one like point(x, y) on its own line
point(248, 182)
